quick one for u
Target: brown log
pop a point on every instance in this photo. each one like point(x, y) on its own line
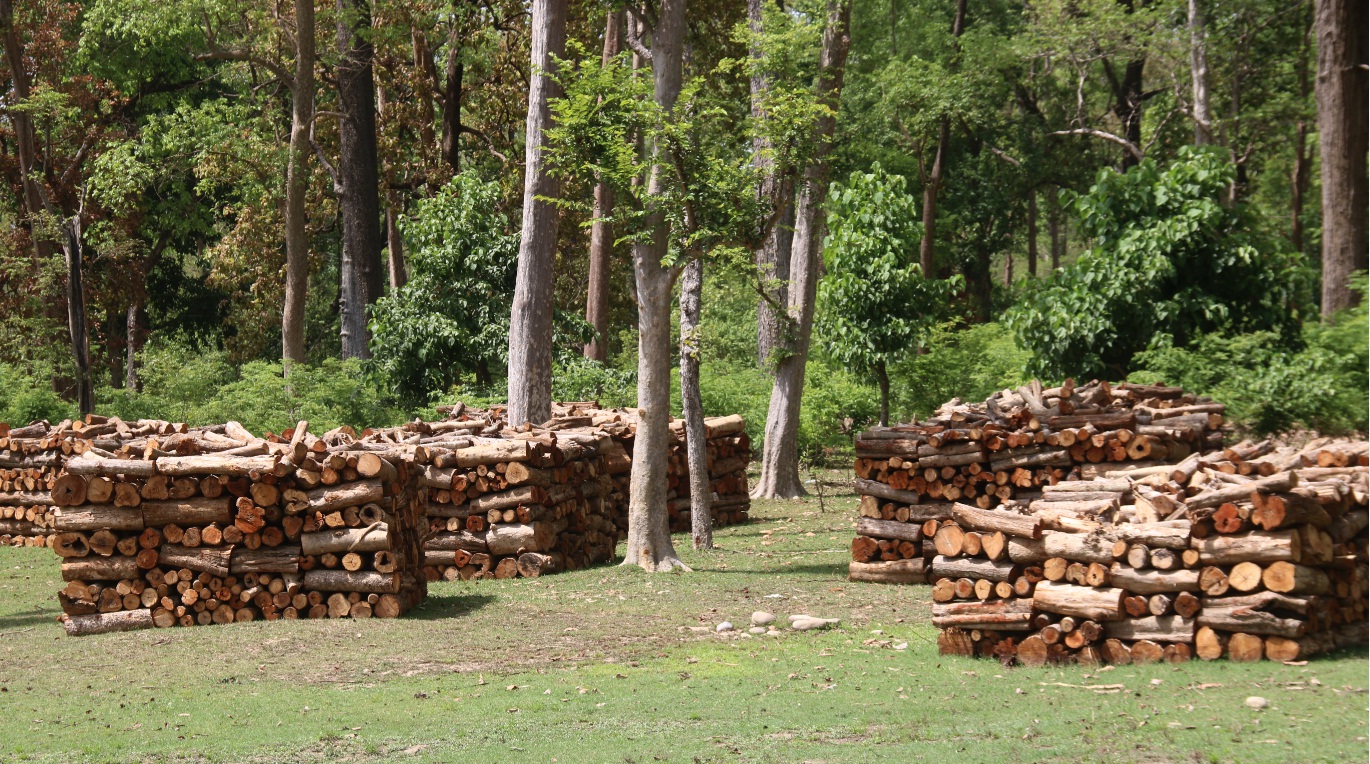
point(492, 452)
point(1283, 510)
point(347, 581)
point(911, 571)
point(994, 545)
point(1245, 648)
point(1170, 535)
point(339, 497)
point(97, 517)
point(514, 538)
point(889, 529)
point(1290, 578)
point(1145, 651)
point(985, 621)
point(1256, 546)
point(1245, 576)
point(1079, 547)
point(883, 491)
point(371, 538)
point(1209, 645)
point(949, 540)
point(216, 464)
point(1252, 622)
point(1116, 653)
point(1187, 604)
point(1026, 551)
point(69, 491)
point(70, 545)
point(373, 466)
point(1284, 481)
point(1081, 601)
point(466, 540)
point(1166, 628)
point(99, 569)
point(104, 623)
point(281, 559)
point(1032, 651)
point(212, 560)
point(1154, 581)
point(974, 568)
point(1286, 649)
point(1009, 523)
point(534, 564)
point(197, 511)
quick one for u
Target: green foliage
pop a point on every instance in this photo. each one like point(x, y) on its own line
point(453, 315)
point(25, 398)
point(1170, 261)
point(1267, 386)
point(968, 362)
point(874, 305)
point(577, 378)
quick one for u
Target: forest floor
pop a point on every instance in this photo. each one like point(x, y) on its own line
point(613, 665)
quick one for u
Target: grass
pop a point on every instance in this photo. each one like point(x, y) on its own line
point(613, 665)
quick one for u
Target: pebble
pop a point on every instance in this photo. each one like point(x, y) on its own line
point(756, 630)
point(1256, 702)
point(762, 618)
point(722, 627)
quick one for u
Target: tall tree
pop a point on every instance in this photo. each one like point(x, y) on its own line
point(530, 323)
point(776, 191)
point(939, 168)
point(649, 534)
point(601, 232)
point(1341, 93)
point(696, 435)
point(297, 187)
point(358, 177)
point(780, 453)
point(1198, 74)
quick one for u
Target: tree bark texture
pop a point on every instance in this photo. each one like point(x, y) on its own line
point(773, 256)
point(73, 248)
point(530, 324)
point(451, 100)
point(1198, 74)
point(362, 275)
point(649, 536)
point(1341, 86)
point(394, 242)
point(939, 164)
point(1032, 233)
point(601, 233)
point(297, 187)
point(696, 439)
point(780, 453)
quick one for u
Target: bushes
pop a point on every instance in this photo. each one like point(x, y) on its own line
point(968, 363)
point(26, 396)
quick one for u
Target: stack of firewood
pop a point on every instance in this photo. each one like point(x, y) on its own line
point(240, 528)
point(1250, 552)
point(1014, 446)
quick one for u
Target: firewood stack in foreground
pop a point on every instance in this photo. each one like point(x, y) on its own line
point(1016, 445)
point(219, 526)
point(1250, 553)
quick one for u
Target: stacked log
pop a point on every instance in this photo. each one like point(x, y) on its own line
point(728, 452)
point(1206, 559)
point(286, 527)
point(1017, 445)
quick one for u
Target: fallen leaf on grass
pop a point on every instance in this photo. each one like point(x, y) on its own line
point(1102, 689)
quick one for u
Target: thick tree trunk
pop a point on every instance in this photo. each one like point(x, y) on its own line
point(73, 247)
point(362, 276)
point(1032, 233)
point(601, 233)
point(939, 164)
point(394, 242)
point(1198, 74)
point(773, 256)
point(701, 499)
point(649, 535)
point(530, 323)
point(1341, 92)
point(780, 454)
point(297, 188)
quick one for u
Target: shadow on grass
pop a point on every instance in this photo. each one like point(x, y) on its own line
point(25, 620)
point(438, 606)
point(838, 569)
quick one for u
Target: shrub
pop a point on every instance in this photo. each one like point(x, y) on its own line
point(968, 363)
point(26, 396)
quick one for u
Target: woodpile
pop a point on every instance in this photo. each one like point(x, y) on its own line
point(1016, 446)
point(223, 527)
point(1254, 552)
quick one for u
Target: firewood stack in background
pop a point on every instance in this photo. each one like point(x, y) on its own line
point(1013, 446)
point(218, 526)
point(1253, 552)
point(30, 459)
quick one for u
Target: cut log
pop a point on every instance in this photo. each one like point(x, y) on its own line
point(372, 538)
point(1008, 523)
point(1284, 481)
point(1289, 578)
point(1245, 577)
point(1115, 653)
point(99, 569)
point(1145, 651)
point(912, 571)
point(1256, 546)
point(97, 517)
point(1170, 535)
point(515, 538)
point(348, 581)
point(534, 564)
point(1166, 628)
point(212, 560)
point(281, 559)
point(216, 464)
point(890, 529)
point(975, 568)
point(1079, 547)
point(1081, 601)
point(339, 497)
point(1154, 581)
point(1252, 622)
point(1209, 644)
point(1245, 648)
point(104, 623)
point(199, 511)
point(1026, 551)
point(985, 621)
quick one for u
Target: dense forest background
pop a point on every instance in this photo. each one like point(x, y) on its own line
point(1114, 188)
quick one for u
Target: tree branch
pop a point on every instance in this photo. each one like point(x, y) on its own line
point(634, 41)
point(1110, 137)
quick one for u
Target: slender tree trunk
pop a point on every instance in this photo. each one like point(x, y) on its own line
point(530, 324)
point(882, 376)
point(1032, 233)
point(701, 498)
point(76, 313)
point(780, 453)
point(939, 167)
point(358, 169)
point(451, 100)
point(1057, 236)
point(131, 381)
point(1198, 72)
point(649, 535)
point(297, 188)
point(1341, 92)
point(773, 256)
point(1008, 268)
point(601, 233)
point(1300, 176)
point(25, 144)
point(1129, 108)
point(394, 242)
point(423, 62)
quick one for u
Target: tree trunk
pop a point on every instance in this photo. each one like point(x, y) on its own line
point(882, 376)
point(530, 324)
point(1198, 73)
point(131, 348)
point(701, 500)
point(297, 188)
point(357, 168)
point(25, 144)
point(601, 233)
point(451, 103)
point(1341, 87)
point(773, 256)
point(649, 535)
point(780, 454)
point(76, 313)
point(1054, 230)
point(394, 242)
point(1299, 177)
point(1032, 233)
point(939, 164)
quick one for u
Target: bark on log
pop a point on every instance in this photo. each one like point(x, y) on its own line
point(1154, 581)
point(875, 488)
point(97, 517)
point(104, 623)
point(1166, 628)
point(1238, 491)
point(1290, 578)
point(216, 464)
point(911, 571)
point(197, 511)
point(977, 568)
point(890, 529)
point(1079, 547)
point(99, 569)
point(513, 538)
point(1256, 546)
point(205, 559)
point(372, 538)
point(1252, 622)
point(265, 559)
point(1080, 601)
point(1009, 523)
point(347, 581)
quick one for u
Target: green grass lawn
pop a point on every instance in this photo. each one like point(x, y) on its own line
point(603, 666)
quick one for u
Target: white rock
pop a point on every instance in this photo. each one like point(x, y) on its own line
point(725, 626)
point(1256, 702)
point(756, 630)
point(807, 623)
point(762, 618)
